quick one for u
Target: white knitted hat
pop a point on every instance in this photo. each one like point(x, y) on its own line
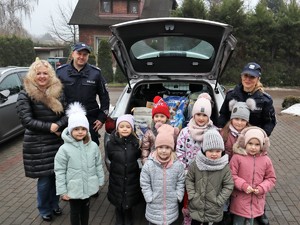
point(77, 118)
point(128, 118)
point(212, 139)
point(202, 105)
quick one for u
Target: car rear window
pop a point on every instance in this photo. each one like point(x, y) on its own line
point(172, 46)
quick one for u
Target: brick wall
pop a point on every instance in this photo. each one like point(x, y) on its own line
point(88, 33)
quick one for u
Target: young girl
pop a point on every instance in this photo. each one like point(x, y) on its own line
point(162, 179)
point(78, 166)
point(123, 151)
point(253, 174)
point(239, 119)
point(208, 181)
point(189, 141)
point(160, 114)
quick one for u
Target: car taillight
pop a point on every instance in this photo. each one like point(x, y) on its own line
point(110, 125)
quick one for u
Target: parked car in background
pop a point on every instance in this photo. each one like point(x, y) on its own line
point(169, 57)
point(57, 61)
point(10, 85)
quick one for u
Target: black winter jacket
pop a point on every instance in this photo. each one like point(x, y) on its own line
point(264, 114)
point(39, 146)
point(84, 86)
point(124, 176)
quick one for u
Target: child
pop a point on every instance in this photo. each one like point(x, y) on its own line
point(239, 119)
point(209, 182)
point(189, 141)
point(123, 150)
point(253, 174)
point(160, 114)
point(78, 165)
point(162, 179)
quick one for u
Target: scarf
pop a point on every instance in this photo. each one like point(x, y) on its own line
point(205, 164)
point(233, 131)
point(197, 131)
point(165, 163)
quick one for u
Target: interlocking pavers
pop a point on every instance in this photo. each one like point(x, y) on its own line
point(18, 193)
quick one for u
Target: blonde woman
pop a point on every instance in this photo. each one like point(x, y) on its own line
point(41, 111)
point(263, 115)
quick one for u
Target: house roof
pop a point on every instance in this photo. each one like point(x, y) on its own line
point(87, 12)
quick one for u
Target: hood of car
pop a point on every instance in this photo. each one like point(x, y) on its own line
point(172, 48)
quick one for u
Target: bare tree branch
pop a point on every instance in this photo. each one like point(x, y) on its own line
point(59, 26)
point(10, 12)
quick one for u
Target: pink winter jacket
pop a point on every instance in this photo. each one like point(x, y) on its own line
point(256, 171)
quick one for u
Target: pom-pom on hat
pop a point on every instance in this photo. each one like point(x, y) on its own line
point(166, 135)
point(77, 118)
point(160, 106)
point(202, 105)
point(128, 118)
point(241, 110)
point(212, 139)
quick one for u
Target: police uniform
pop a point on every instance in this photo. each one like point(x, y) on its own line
point(83, 86)
point(264, 114)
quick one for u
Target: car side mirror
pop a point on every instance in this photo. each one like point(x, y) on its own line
point(4, 95)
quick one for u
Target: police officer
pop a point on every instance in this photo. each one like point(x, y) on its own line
point(264, 114)
point(83, 82)
point(251, 87)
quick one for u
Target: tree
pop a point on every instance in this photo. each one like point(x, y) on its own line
point(18, 51)
point(10, 22)
point(119, 75)
point(105, 61)
point(191, 9)
point(59, 26)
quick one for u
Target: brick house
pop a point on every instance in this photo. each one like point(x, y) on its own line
point(95, 16)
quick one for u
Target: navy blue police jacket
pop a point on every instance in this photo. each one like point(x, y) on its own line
point(264, 114)
point(84, 86)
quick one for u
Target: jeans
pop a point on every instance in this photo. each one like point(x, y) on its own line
point(239, 220)
point(79, 211)
point(47, 200)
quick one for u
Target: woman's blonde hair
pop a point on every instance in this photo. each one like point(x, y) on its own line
point(34, 68)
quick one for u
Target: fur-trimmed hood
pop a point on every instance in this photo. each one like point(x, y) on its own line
point(240, 146)
point(50, 97)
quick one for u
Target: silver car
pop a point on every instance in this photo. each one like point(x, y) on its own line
point(10, 86)
point(169, 57)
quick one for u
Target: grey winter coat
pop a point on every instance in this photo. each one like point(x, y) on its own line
point(209, 184)
point(78, 168)
point(163, 189)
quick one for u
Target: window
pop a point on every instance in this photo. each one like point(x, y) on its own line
point(133, 7)
point(106, 6)
point(172, 46)
point(11, 83)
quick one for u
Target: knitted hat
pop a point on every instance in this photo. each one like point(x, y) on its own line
point(212, 139)
point(160, 106)
point(241, 110)
point(165, 136)
point(257, 133)
point(77, 118)
point(202, 105)
point(254, 132)
point(128, 118)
